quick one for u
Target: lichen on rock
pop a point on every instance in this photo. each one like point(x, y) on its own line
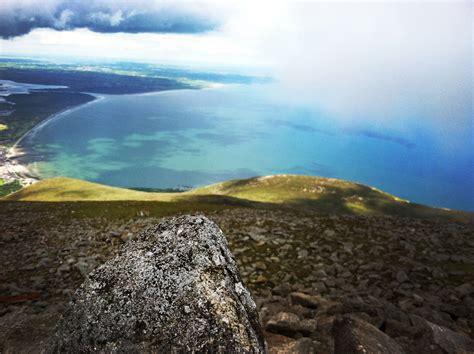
point(175, 288)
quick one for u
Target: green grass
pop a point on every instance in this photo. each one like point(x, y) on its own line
point(67, 189)
point(304, 193)
point(8, 188)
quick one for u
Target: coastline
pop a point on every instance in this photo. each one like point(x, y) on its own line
point(50, 119)
point(10, 169)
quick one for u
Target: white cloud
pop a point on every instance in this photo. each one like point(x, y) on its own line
point(378, 60)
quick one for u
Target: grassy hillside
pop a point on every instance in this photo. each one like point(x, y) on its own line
point(304, 193)
point(62, 189)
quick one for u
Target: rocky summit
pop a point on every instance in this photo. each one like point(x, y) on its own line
point(176, 288)
point(322, 284)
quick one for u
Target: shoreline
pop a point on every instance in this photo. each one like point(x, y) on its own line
point(10, 169)
point(50, 119)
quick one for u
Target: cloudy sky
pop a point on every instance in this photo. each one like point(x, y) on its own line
point(381, 59)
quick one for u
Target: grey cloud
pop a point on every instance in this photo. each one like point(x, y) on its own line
point(139, 16)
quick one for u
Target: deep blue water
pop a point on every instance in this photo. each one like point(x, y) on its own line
point(198, 137)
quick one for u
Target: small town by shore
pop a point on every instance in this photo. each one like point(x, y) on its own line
point(12, 171)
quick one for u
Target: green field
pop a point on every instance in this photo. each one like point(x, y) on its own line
point(299, 193)
point(29, 110)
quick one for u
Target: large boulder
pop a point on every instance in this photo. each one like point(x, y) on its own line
point(355, 336)
point(176, 288)
point(441, 339)
point(450, 341)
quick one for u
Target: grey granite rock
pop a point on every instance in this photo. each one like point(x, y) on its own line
point(450, 341)
point(352, 335)
point(441, 337)
point(176, 288)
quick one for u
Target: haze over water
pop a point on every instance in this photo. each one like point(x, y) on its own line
point(197, 137)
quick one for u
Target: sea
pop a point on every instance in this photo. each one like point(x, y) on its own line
point(190, 138)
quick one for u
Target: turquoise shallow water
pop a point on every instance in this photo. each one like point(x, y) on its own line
point(198, 137)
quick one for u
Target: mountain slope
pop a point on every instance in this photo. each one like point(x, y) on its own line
point(61, 189)
point(315, 194)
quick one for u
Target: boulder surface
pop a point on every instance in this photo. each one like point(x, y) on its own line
point(176, 288)
point(352, 336)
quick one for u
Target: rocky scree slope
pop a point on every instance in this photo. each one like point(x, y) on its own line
point(411, 279)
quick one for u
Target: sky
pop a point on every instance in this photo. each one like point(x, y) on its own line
point(380, 60)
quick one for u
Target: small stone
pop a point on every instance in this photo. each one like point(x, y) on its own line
point(29, 267)
point(305, 300)
point(290, 325)
point(64, 268)
point(283, 323)
point(39, 283)
point(300, 346)
point(418, 299)
point(44, 261)
point(126, 236)
point(465, 289)
point(83, 268)
point(302, 254)
point(329, 233)
point(405, 304)
point(320, 287)
point(320, 273)
point(260, 266)
point(40, 304)
point(456, 311)
point(283, 289)
point(402, 276)
point(261, 279)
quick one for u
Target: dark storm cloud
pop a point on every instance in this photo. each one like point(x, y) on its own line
point(139, 16)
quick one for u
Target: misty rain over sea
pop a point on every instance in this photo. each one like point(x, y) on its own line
point(197, 137)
